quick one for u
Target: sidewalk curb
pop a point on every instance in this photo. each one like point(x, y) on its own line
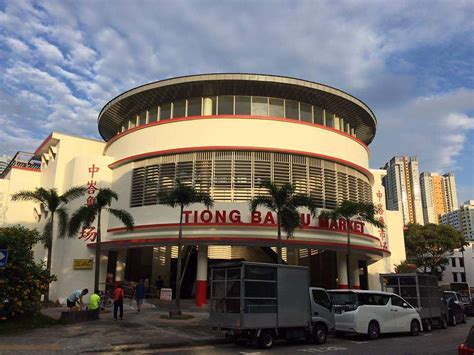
point(161, 345)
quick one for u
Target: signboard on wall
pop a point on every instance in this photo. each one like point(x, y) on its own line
point(82, 264)
point(166, 294)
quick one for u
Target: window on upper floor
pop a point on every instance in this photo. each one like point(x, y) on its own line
point(453, 262)
point(195, 106)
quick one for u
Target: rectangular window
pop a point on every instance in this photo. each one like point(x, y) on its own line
point(165, 112)
point(243, 105)
point(142, 118)
point(194, 106)
point(291, 109)
point(318, 116)
point(226, 105)
point(463, 277)
point(329, 119)
point(455, 276)
point(153, 115)
point(179, 109)
point(260, 106)
point(306, 112)
point(461, 262)
point(453, 262)
point(133, 122)
point(277, 108)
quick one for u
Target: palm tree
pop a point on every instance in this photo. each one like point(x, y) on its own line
point(85, 215)
point(349, 210)
point(55, 204)
point(182, 195)
point(285, 203)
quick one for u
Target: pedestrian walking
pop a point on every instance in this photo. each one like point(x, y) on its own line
point(76, 297)
point(119, 295)
point(139, 294)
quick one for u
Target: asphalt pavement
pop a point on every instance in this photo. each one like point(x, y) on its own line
point(436, 342)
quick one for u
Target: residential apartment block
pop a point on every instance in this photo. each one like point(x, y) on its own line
point(462, 219)
point(402, 188)
point(438, 195)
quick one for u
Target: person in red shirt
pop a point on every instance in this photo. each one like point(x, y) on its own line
point(119, 295)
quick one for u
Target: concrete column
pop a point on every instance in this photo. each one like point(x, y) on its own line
point(342, 270)
point(201, 276)
point(121, 263)
point(207, 106)
point(355, 272)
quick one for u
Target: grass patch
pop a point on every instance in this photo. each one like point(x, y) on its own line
point(19, 325)
point(177, 317)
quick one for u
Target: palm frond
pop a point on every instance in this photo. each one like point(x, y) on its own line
point(290, 219)
point(46, 237)
point(73, 193)
point(124, 217)
point(105, 196)
point(205, 199)
point(28, 196)
point(265, 201)
point(303, 201)
point(83, 216)
point(62, 221)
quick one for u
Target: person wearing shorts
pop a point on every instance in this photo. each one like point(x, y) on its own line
point(76, 297)
point(139, 294)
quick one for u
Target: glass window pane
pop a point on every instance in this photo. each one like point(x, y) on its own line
point(226, 105)
point(306, 113)
point(179, 109)
point(277, 108)
point(194, 106)
point(142, 118)
point(291, 109)
point(260, 106)
point(133, 122)
point(242, 105)
point(318, 115)
point(152, 115)
point(329, 119)
point(165, 112)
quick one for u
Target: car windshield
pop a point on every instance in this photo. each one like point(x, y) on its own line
point(343, 298)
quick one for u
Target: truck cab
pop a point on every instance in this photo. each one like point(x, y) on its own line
point(321, 308)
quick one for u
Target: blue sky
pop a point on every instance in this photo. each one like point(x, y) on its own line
point(410, 61)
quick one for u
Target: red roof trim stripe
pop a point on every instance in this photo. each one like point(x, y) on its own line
point(43, 144)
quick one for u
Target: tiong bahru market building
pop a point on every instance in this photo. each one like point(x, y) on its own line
point(223, 134)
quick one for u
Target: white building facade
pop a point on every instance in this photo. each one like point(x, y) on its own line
point(223, 134)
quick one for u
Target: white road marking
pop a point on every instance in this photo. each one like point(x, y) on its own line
point(359, 342)
point(322, 349)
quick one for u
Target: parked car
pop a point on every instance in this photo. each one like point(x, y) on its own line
point(257, 302)
point(467, 347)
point(455, 308)
point(373, 313)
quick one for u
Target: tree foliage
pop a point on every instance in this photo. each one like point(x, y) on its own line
point(23, 281)
point(284, 202)
point(428, 246)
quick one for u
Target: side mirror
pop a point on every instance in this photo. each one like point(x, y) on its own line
point(405, 305)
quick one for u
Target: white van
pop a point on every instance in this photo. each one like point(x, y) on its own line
point(373, 313)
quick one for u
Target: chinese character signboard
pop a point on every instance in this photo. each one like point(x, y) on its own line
point(379, 213)
point(90, 233)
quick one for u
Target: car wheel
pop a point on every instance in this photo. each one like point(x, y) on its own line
point(265, 340)
point(444, 322)
point(320, 333)
point(414, 327)
point(373, 330)
point(464, 318)
point(427, 326)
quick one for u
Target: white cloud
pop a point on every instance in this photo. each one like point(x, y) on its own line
point(47, 50)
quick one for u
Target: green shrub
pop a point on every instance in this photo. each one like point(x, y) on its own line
point(23, 281)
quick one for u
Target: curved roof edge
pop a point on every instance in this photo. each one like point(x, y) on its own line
point(137, 99)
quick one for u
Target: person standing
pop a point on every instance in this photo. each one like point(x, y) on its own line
point(76, 297)
point(139, 294)
point(119, 295)
point(159, 284)
point(94, 302)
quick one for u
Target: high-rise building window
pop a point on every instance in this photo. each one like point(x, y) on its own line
point(453, 262)
point(455, 276)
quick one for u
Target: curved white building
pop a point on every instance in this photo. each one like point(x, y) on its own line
point(223, 134)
